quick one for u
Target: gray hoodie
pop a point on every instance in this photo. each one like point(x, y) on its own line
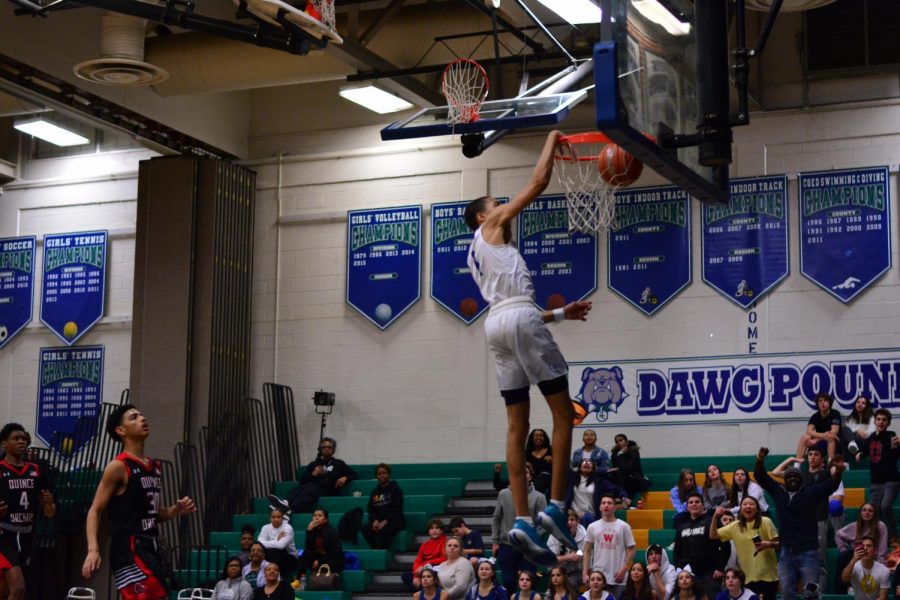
point(505, 512)
point(667, 571)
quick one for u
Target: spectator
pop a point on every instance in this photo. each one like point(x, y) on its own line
point(609, 546)
point(325, 476)
point(499, 483)
point(596, 587)
point(626, 466)
point(254, 571)
point(525, 587)
point(858, 425)
point(539, 455)
point(881, 448)
point(756, 542)
point(273, 588)
point(687, 587)
point(278, 538)
point(591, 450)
point(455, 573)
point(585, 489)
point(867, 524)
point(486, 588)
point(823, 426)
point(694, 547)
point(431, 552)
point(510, 560)
point(560, 587)
point(571, 559)
point(638, 585)
point(795, 504)
point(660, 572)
point(734, 587)
point(870, 579)
point(727, 547)
point(431, 590)
point(323, 546)
point(248, 536)
point(679, 494)
point(385, 509)
point(741, 487)
point(716, 491)
point(232, 585)
point(472, 542)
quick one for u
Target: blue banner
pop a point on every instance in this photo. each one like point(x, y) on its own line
point(650, 246)
point(384, 262)
point(70, 387)
point(845, 229)
point(745, 242)
point(563, 265)
point(452, 285)
point(74, 283)
point(16, 285)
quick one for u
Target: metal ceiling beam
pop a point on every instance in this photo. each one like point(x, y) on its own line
point(534, 45)
point(383, 18)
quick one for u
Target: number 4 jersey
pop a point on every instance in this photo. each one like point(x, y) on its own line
point(134, 511)
point(20, 488)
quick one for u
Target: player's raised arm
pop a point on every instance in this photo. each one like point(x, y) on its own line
point(114, 479)
point(540, 179)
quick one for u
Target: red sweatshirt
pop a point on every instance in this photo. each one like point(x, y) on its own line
point(431, 552)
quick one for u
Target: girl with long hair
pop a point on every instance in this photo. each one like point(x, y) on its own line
point(539, 455)
point(560, 588)
point(716, 491)
point(487, 587)
point(687, 587)
point(756, 541)
point(637, 586)
point(742, 486)
point(431, 589)
point(596, 587)
point(687, 483)
point(526, 587)
point(868, 524)
point(734, 587)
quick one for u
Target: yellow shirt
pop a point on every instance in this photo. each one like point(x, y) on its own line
point(763, 566)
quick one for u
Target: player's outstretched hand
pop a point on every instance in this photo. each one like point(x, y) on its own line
point(91, 564)
point(577, 311)
point(185, 506)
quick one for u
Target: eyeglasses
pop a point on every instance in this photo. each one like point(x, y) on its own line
point(327, 447)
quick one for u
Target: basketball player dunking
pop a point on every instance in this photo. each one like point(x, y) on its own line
point(24, 489)
point(130, 488)
point(525, 353)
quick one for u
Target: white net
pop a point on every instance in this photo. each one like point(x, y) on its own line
point(590, 200)
point(465, 85)
point(325, 8)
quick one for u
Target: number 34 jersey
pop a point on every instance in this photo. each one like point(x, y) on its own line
point(20, 488)
point(134, 511)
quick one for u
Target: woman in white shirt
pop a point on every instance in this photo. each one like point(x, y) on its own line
point(278, 538)
point(741, 486)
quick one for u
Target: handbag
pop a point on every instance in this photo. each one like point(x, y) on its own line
point(324, 580)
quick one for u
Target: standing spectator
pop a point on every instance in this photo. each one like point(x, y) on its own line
point(560, 587)
point(716, 491)
point(661, 572)
point(687, 484)
point(881, 448)
point(539, 455)
point(486, 588)
point(795, 504)
point(385, 509)
point(472, 542)
point(510, 559)
point(687, 587)
point(638, 585)
point(455, 573)
point(626, 466)
point(756, 542)
point(431, 552)
point(431, 589)
point(591, 450)
point(741, 487)
point(323, 546)
point(247, 538)
point(585, 488)
point(570, 559)
point(278, 538)
point(325, 476)
point(867, 524)
point(728, 548)
point(232, 586)
point(823, 426)
point(525, 590)
point(597, 587)
point(858, 425)
point(870, 579)
point(734, 587)
point(694, 547)
point(609, 546)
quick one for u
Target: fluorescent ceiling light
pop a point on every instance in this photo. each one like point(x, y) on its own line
point(50, 132)
point(575, 11)
point(660, 15)
point(375, 99)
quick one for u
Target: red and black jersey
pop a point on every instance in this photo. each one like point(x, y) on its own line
point(134, 511)
point(20, 489)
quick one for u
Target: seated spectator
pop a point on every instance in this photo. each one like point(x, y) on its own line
point(687, 587)
point(278, 538)
point(232, 586)
point(742, 486)
point(455, 573)
point(487, 587)
point(560, 587)
point(431, 552)
point(686, 485)
point(637, 586)
point(882, 449)
point(867, 524)
point(472, 542)
point(431, 589)
point(323, 546)
point(734, 587)
point(716, 491)
point(273, 588)
point(626, 468)
point(325, 476)
point(660, 572)
point(869, 579)
point(526, 587)
point(539, 455)
point(254, 571)
point(823, 426)
point(858, 425)
point(385, 509)
point(571, 559)
point(756, 542)
point(585, 487)
point(248, 536)
point(596, 585)
point(591, 450)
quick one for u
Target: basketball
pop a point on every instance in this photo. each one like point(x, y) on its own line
point(555, 301)
point(70, 330)
point(618, 167)
point(468, 307)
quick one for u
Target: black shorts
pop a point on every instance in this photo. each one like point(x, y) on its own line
point(14, 549)
point(139, 567)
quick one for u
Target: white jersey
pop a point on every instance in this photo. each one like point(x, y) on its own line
point(499, 271)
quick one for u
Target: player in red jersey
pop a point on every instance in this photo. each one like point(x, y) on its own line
point(24, 489)
point(130, 489)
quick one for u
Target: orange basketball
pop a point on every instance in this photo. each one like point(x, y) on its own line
point(555, 301)
point(468, 307)
point(618, 167)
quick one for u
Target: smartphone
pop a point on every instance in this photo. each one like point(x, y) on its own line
point(757, 539)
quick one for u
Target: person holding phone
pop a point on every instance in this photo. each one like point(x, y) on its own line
point(755, 540)
point(870, 579)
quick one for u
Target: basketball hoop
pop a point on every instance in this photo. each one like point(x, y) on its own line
point(465, 85)
point(591, 168)
point(323, 10)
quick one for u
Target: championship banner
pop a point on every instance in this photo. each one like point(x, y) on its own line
point(74, 283)
point(452, 285)
point(845, 229)
point(650, 246)
point(384, 262)
point(16, 285)
point(563, 265)
point(745, 242)
point(731, 389)
point(70, 387)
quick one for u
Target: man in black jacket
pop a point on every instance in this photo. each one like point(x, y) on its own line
point(324, 476)
point(694, 547)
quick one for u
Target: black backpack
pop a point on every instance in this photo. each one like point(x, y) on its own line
point(350, 525)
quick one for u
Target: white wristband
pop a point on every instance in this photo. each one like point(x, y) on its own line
point(559, 314)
